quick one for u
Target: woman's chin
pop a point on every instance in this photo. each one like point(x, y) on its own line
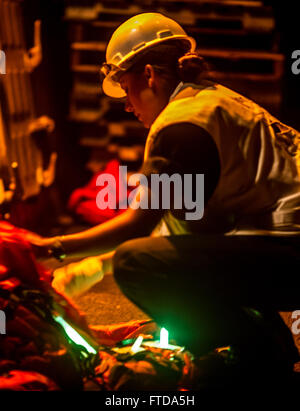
point(145, 123)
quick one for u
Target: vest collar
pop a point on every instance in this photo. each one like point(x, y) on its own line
point(179, 90)
point(176, 91)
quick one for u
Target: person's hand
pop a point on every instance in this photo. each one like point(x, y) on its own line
point(76, 278)
point(40, 245)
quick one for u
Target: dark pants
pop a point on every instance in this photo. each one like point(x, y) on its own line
point(197, 286)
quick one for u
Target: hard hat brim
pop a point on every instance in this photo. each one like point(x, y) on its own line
point(112, 88)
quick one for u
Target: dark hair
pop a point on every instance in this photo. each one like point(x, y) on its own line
point(174, 62)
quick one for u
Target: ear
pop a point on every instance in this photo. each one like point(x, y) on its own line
point(150, 75)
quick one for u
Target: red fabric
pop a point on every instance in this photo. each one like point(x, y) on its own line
point(18, 266)
point(83, 200)
point(17, 380)
point(17, 259)
point(112, 334)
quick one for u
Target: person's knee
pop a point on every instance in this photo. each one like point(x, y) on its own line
point(141, 260)
point(125, 261)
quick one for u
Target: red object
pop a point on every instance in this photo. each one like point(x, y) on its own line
point(112, 334)
point(17, 260)
point(18, 266)
point(83, 200)
point(17, 380)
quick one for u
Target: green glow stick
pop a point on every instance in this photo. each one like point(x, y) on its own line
point(136, 346)
point(74, 335)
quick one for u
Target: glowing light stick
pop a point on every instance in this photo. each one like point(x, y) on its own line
point(164, 338)
point(136, 346)
point(74, 335)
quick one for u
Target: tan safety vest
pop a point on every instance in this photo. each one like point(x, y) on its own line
point(259, 185)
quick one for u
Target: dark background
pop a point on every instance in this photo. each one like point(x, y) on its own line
point(52, 85)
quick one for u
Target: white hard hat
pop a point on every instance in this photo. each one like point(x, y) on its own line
point(133, 36)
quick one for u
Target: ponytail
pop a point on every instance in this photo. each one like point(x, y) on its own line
point(191, 67)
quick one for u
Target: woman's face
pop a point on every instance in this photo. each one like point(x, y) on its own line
point(144, 96)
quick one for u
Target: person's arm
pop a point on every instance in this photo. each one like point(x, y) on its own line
point(191, 150)
point(107, 236)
